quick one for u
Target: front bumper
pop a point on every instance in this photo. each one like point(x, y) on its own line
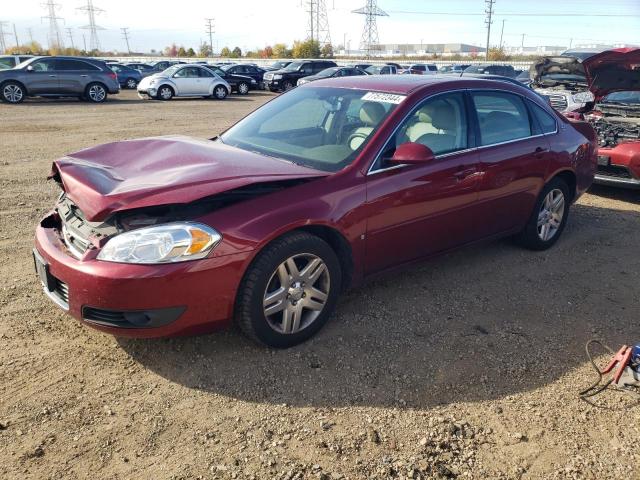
point(172, 299)
point(619, 166)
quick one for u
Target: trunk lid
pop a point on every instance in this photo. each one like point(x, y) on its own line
point(146, 172)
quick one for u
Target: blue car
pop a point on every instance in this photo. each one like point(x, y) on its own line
point(127, 77)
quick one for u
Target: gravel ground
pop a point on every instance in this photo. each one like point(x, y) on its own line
point(467, 366)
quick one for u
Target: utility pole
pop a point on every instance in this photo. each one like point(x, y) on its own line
point(15, 34)
point(522, 44)
point(3, 45)
point(84, 41)
point(570, 42)
point(125, 34)
point(30, 30)
point(488, 21)
point(70, 34)
point(210, 31)
point(501, 33)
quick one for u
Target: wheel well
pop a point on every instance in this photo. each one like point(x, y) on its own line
point(15, 81)
point(570, 179)
point(167, 85)
point(95, 83)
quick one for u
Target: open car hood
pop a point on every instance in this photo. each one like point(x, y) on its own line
point(613, 71)
point(566, 69)
point(163, 170)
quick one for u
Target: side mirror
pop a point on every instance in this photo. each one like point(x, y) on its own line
point(30, 68)
point(412, 153)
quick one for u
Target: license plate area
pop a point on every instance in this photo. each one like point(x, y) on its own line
point(604, 161)
point(42, 270)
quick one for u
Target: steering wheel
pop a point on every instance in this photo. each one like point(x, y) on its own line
point(353, 136)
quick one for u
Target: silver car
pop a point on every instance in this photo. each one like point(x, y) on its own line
point(184, 81)
point(85, 78)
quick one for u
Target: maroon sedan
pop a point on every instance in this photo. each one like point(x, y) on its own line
point(317, 190)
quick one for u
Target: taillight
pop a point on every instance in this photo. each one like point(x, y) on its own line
point(113, 76)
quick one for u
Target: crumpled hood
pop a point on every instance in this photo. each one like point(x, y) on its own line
point(560, 66)
point(163, 170)
point(615, 70)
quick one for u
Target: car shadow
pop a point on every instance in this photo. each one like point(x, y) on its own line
point(481, 323)
point(616, 193)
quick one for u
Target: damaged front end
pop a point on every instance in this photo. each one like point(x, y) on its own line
point(562, 81)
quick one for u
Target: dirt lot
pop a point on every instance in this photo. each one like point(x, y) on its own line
point(466, 366)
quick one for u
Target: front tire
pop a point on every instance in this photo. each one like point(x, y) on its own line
point(549, 217)
point(131, 83)
point(290, 291)
point(95, 93)
point(13, 92)
point(165, 92)
point(243, 88)
point(287, 86)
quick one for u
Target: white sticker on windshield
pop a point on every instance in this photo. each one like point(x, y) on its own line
point(383, 97)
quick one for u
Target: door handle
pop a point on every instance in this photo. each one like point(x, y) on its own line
point(84, 75)
point(539, 151)
point(465, 173)
point(53, 76)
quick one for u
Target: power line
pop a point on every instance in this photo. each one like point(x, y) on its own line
point(370, 39)
point(55, 36)
point(488, 21)
point(91, 11)
point(210, 30)
point(511, 14)
point(125, 34)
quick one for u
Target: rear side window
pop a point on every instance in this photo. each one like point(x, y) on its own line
point(546, 120)
point(205, 73)
point(7, 62)
point(502, 117)
point(74, 65)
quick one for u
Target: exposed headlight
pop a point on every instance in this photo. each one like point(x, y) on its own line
point(583, 97)
point(277, 77)
point(168, 243)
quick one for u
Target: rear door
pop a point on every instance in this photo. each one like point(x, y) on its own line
point(205, 82)
point(513, 160)
point(74, 75)
point(42, 78)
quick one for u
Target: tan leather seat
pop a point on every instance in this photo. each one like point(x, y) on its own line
point(422, 126)
point(443, 119)
point(371, 113)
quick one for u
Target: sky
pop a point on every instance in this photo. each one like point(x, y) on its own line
point(250, 24)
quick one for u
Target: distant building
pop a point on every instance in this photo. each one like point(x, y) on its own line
point(543, 50)
point(418, 49)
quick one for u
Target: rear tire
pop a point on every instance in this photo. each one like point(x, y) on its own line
point(301, 301)
point(287, 86)
point(220, 92)
point(95, 93)
point(13, 92)
point(131, 83)
point(549, 217)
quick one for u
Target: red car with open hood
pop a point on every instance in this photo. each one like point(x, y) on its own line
point(322, 187)
point(614, 79)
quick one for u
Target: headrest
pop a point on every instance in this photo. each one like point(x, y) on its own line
point(443, 117)
point(371, 113)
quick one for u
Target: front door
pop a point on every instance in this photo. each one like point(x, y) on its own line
point(188, 81)
point(42, 77)
point(418, 210)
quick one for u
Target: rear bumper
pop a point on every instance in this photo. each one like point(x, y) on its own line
point(141, 300)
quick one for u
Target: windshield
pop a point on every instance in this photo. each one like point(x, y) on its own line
point(631, 97)
point(321, 128)
point(293, 66)
point(327, 72)
point(171, 70)
point(374, 70)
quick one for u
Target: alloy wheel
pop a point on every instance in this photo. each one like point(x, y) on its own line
point(296, 293)
point(12, 93)
point(166, 93)
point(220, 92)
point(131, 83)
point(243, 89)
point(97, 93)
point(551, 214)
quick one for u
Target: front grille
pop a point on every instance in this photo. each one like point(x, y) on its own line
point(559, 102)
point(76, 244)
point(268, 76)
point(616, 171)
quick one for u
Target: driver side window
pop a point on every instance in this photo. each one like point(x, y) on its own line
point(439, 123)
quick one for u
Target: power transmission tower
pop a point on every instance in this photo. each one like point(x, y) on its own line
point(91, 11)
point(318, 27)
point(70, 34)
point(488, 21)
point(370, 39)
point(3, 45)
point(125, 34)
point(55, 35)
point(209, 30)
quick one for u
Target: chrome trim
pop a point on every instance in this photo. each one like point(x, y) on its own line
point(615, 181)
point(444, 155)
point(55, 298)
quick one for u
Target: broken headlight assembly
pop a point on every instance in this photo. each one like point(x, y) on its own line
point(583, 97)
point(168, 243)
